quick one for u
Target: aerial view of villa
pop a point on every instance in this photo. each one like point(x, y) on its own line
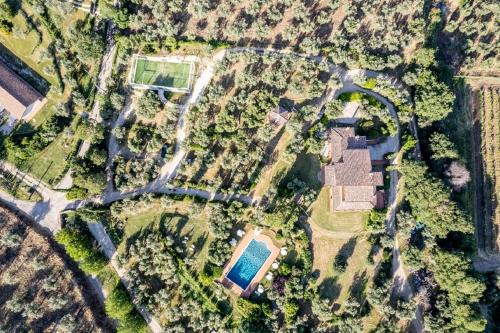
point(249, 166)
point(353, 184)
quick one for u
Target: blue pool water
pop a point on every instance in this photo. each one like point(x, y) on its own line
point(249, 263)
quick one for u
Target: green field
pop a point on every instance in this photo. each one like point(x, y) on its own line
point(177, 219)
point(162, 73)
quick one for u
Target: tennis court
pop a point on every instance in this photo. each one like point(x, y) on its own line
point(163, 73)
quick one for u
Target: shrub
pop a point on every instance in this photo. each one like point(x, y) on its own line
point(79, 246)
point(118, 304)
point(132, 323)
point(291, 309)
point(370, 83)
point(76, 193)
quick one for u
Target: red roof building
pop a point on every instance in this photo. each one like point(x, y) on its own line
point(17, 96)
point(352, 182)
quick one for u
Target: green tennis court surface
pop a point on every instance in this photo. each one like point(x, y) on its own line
point(162, 73)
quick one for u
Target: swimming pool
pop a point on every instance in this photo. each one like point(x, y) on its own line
point(249, 263)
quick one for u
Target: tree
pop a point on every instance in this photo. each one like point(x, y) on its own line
point(334, 109)
point(458, 176)
point(430, 201)
point(425, 57)
point(291, 308)
point(442, 147)
point(148, 105)
point(433, 99)
point(89, 46)
point(67, 324)
point(118, 304)
point(98, 156)
point(79, 246)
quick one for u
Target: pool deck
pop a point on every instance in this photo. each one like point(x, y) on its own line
point(240, 248)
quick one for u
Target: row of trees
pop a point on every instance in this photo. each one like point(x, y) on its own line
point(155, 271)
point(44, 288)
point(380, 45)
point(439, 236)
point(80, 245)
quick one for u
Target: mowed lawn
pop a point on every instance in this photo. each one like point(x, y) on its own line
point(50, 164)
point(177, 220)
point(337, 222)
point(339, 234)
point(163, 73)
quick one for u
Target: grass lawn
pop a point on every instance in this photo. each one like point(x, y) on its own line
point(279, 166)
point(177, 220)
point(335, 235)
point(163, 73)
point(49, 164)
point(338, 221)
point(28, 49)
point(306, 168)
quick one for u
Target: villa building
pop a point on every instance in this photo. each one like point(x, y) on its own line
point(350, 176)
point(17, 96)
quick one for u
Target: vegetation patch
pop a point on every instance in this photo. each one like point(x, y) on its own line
point(41, 288)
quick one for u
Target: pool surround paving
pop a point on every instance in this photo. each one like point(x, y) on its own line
point(240, 249)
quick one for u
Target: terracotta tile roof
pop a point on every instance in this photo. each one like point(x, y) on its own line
point(15, 93)
point(338, 141)
point(378, 178)
point(350, 176)
point(358, 193)
point(354, 169)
